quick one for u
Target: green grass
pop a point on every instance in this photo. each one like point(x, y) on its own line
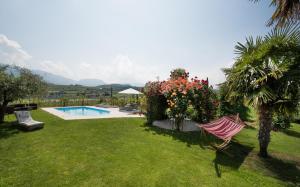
point(125, 152)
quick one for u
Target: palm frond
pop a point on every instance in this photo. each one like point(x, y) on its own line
point(286, 12)
point(267, 68)
point(290, 31)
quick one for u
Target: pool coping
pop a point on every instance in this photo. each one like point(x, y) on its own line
point(114, 113)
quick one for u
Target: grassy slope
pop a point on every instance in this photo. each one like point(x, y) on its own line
point(124, 152)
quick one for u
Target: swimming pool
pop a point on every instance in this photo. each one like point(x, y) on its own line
point(87, 112)
point(83, 111)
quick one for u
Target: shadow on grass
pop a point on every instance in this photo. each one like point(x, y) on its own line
point(190, 138)
point(232, 157)
point(250, 127)
point(291, 133)
point(8, 129)
point(287, 171)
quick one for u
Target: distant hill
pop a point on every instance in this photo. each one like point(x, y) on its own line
point(94, 90)
point(90, 82)
point(54, 79)
point(60, 80)
point(117, 87)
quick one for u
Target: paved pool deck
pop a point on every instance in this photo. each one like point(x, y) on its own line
point(187, 126)
point(113, 113)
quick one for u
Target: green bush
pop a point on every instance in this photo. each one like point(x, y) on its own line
point(281, 121)
point(156, 108)
point(227, 108)
point(156, 103)
point(192, 113)
point(296, 118)
point(205, 102)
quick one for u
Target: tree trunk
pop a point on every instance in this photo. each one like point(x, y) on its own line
point(265, 126)
point(2, 111)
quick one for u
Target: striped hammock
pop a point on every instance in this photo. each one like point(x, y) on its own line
point(224, 128)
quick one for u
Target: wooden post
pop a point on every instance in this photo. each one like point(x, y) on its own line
point(111, 95)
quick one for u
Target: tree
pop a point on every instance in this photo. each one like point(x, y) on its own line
point(17, 83)
point(266, 74)
point(179, 72)
point(287, 11)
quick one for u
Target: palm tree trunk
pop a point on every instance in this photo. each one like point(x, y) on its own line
point(265, 126)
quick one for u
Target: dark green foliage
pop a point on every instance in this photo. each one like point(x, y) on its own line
point(281, 121)
point(156, 103)
point(205, 102)
point(179, 72)
point(156, 108)
point(192, 113)
point(296, 119)
point(266, 75)
point(18, 83)
point(228, 108)
point(210, 105)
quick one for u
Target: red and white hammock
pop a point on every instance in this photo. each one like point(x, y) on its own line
point(224, 128)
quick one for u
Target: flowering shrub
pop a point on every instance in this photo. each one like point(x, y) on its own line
point(204, 100)
point(180, 97)
point(177, 93)
point(152, 88)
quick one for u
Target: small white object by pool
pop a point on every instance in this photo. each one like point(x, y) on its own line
point(87, 112)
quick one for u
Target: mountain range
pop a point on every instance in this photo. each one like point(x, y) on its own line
point(61, 80)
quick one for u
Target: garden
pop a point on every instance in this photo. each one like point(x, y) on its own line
point(126, 152)
point(261, 88)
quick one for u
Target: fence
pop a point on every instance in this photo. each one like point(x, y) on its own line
point(115, 101)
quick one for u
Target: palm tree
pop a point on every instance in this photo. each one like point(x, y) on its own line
point(266, 74)
point(287, 11)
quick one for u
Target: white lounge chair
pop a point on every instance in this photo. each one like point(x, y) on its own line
point(25, 121)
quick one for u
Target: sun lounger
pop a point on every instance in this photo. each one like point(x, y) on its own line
point(25, 121)
point(130, 108)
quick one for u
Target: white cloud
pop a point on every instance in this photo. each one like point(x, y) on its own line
point(85, 65)
point(121, 69)
point(11, 52)
point(57, 68)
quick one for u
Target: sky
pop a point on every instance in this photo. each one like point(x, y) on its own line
point(128, 41)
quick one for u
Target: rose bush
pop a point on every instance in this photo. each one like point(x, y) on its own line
point(181, 98)
point(204, 100)
point(177, 92)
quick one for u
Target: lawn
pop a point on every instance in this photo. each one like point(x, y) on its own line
point(125, 152)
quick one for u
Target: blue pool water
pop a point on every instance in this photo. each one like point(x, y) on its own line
point(83, 111)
